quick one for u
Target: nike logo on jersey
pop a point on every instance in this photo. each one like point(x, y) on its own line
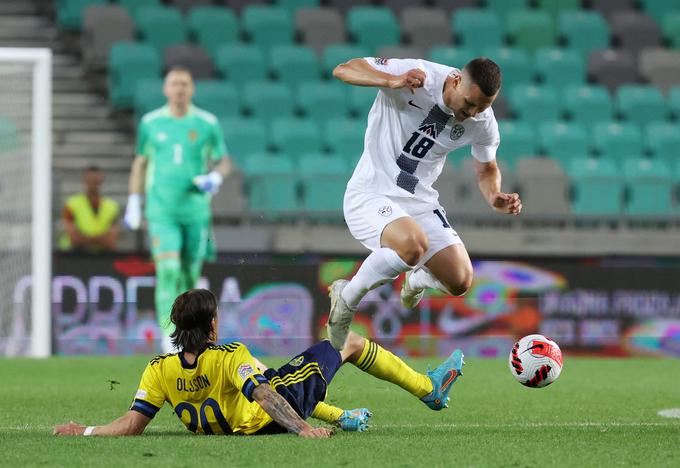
point(411, 103)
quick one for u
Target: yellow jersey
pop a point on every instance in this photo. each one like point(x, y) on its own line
point(211, 396)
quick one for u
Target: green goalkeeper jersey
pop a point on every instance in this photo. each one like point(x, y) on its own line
point(178, 149)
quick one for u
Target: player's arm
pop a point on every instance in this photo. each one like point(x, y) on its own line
point(359, 72)
point(489, 181)
point(278, 408)
point(131, 423)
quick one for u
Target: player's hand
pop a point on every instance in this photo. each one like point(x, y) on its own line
point(509, 203)
point(412, 80)
point(133, 212)
point(70, 429)
point(317, 433)
point(209, 183)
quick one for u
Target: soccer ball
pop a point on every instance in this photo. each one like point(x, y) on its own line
point(535, 361)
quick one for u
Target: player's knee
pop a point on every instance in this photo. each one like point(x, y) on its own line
point(413, 247)
point(353, 347)
point(461, 283)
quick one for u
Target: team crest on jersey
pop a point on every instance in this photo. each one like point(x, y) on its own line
point(297, 361)
point(244, 370)
point(161, 136)
point(457, 131)
point(193, 135)
point(380, 61)
point(385, 210)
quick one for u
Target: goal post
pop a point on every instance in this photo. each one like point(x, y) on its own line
point(25, 201)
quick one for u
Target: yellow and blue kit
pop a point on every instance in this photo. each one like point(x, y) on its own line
point(214, 394)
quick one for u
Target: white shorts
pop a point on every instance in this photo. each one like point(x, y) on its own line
point(367, 214)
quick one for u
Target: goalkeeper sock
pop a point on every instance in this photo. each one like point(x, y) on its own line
point(423, 279)
point(167, 289)
point(381, 266)
point(384, 365)
point(327, 413)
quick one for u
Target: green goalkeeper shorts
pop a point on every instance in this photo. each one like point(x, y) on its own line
point(192, 241)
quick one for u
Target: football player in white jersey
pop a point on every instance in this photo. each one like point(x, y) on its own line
point(423, 110)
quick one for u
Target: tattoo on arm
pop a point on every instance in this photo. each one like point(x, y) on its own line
point(279, 409)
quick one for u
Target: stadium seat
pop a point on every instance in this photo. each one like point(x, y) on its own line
point(514, 64)
point(517, 141)
point(671, 29)
point(425, 27)
point(321, 101)
point(373, 26)
point(398, 6)
point(662, 139)
point(186, 5)
point(294, 5)
point(296, 137)
point(189, 56)
point(597, 187)
point(400, 52)
point(534, 104)
point(361, 100)
point(345, 138)
point(244, 137)
point(261, 97)
point(343, 6)
point(104, 25)
point(476, 28)
point(617, 141)
point(292, 64)
point(612, 68)
point(531, 29)
point(609, 7)
point(335, 54)
point(563, 141)
point(229, 202)
point(505, 7)
point(161, 27)
point(544, 187)
point(219, 97)
point(320, 27)
point(148, 96)
point(212, 27)
point(660, 67)
point(272, 185)
point(324, 180)
point(650, 187)
point(240, 62)
point(451, 56)
point(641, 104)
point(584, 30)
point(587, 105)
point(133, 6)
point(556, 7)
point(239, 5)
point(129, 63)
point(70, 12)
point(674, 101)
point(659, 9)
point(450, 7)
point(560, 68)
point(267, 26)
point(635, 31)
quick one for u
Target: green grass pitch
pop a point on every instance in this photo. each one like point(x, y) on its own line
point(601, 412)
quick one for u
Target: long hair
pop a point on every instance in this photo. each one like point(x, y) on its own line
point(192, 313)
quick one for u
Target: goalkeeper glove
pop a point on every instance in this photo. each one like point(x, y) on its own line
point(209, 183)
point(133, 211)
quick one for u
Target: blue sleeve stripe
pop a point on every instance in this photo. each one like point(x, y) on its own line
point(249, 385)
point(144, 407)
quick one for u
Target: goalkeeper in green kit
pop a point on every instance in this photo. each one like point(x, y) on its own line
point(180, 164)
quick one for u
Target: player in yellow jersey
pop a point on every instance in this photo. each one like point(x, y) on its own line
point(220, 390)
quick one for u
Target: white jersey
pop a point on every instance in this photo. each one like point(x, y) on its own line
point(409, 135)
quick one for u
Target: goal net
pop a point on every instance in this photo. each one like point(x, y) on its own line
point(25, 201)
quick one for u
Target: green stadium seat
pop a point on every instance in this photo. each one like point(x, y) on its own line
point(148, 96)
point(505, 7)
point(534, 104)
point(588, 105)
point(70, 12)
point(324, 180)
point(660, 9)
point(345, 138)
point(584, 31)
point(263, 97)
point(244, 137)
point(531, 29)
point(662, 139)
point(671, 29)
point(641, 104)
point(296, 137)
point(650, 187)
point(293, 64)
point(452, 56)
point(560, 67)
point(161, 27)
point(373, 26)
point(211, 27)
point(322, 100)
point(477, 28)
point(563, 141)
point(555, 7)
point(241, 63)
point(133, 6)
point(293, 5)
point(130, 63)
point(617, 140)
point(514, 64)
point(334, 55)
point(267, 26)
point(272, 185)
point(597, 187)
point(517, 141)
point(361, 100)
point(674, 101)
point(219, 97)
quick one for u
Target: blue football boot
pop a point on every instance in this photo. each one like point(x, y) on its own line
point(443, 378)
point(355, 420)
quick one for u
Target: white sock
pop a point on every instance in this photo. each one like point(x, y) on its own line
point(381, 266)
point(423, 279)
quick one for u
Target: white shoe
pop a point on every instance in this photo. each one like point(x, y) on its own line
point(340, 316)
point(166, 345)
point(410, 297)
